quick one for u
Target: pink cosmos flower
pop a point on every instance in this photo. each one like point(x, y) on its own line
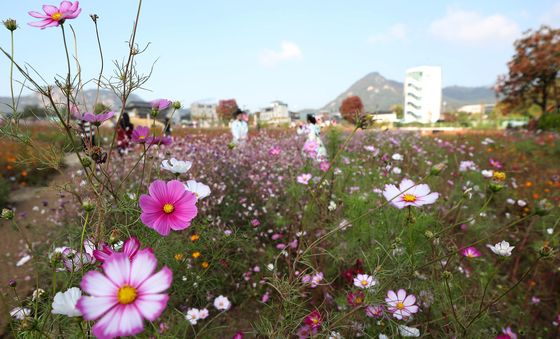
point(401, 305)
point(275, 150)
point(313, 319)
point(324, 166)
point(407, 194)
point(130, 248)
point(495, 163)
point(140, 134)
point(160, 104)
point(374, 311)
point(74, 260)
point(54, 16)
point(97, 119)
point(168, 207)
point(507, 333)
point(470, 252)
point(304, 178)
point(125, 294)
point(310, 148)
point(160, 140)
point(238, 335)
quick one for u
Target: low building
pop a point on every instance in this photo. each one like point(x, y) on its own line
point(276, 113)
point(204, 114)
point(385, 116)
point(477, 109)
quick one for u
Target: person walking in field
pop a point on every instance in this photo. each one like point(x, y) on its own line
point(124, 133)
point(239, 128)
point(313, 146)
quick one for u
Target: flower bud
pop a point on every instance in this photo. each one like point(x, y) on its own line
point(545, 251)
point(436, 169)
point(176, 105)
point(7, 214)
point(543, 207)
point(10, 24)
point(88, 206)
point(495, 187)
point(12, 283)
point(86, 162)
point(429, 234)
point(447, 275)
point(154, 113)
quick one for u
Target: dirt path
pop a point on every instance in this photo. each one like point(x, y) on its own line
point(32, 206)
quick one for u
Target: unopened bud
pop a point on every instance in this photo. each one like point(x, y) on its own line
point(429, 234)
point(12, 283)
point(495, 187)
point(10, 24)
point(7, 214)
point(543, 207)
point(436, 169)
point(176, 105)
point(88, 206)
point(545, 251)
point(86, 162)
point(447, 275)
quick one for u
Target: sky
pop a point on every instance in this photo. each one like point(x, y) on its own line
point(304, 53)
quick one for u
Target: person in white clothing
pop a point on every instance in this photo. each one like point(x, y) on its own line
point(313, 146)
point(239, 128)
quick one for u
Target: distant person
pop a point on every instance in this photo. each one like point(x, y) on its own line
point(239, 127)
point(87, 134)
point(167, 127)
point(313, 145)
point(124, 134)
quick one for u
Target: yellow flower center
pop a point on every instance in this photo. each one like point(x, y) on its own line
point(315, 320)
point(400, 305)
point(364, 282)
point(142, 137)
point(168, 208)
point(409, 198)
point(56, 16)
point(126, 294)
point(358, 300)
point(500, 176)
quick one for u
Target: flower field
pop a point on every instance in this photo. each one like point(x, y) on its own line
point(395, 234)
point(349, 231)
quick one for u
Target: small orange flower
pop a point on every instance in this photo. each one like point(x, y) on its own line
point(196, 254)
point(528, 184)
point(205, 264)
point(179, 256)
point(23, 173)
point(536, 196)
point(195, 237)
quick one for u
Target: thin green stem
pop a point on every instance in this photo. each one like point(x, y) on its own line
point(14, 108)
point(67, 90)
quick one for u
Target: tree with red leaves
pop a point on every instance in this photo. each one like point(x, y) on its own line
point(533, 73)
point(351, 108)
point(226, 109)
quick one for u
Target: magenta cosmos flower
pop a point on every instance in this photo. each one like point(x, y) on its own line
point(407, 194)
point(140, 134)
point(470, 252)
point(168, 207)
point(401, 305)
point(54, 16)
point(97, 119)
point(130, 248)
point(160, 104)
point(125, 294)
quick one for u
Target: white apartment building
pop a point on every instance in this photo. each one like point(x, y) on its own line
point(422, 94)
point(276, 113)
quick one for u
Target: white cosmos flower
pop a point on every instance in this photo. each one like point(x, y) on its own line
point(193, 315)
point(336, 335)
point(397, 157)
point(332, 206)
point(502, 248)
point(406, 331)
point(364, 281)
point(176, 166)
point(199, 189)
point(65, 303)
point(203, 313)
point(222, 303)
point(20, 313)
point(487, 173)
